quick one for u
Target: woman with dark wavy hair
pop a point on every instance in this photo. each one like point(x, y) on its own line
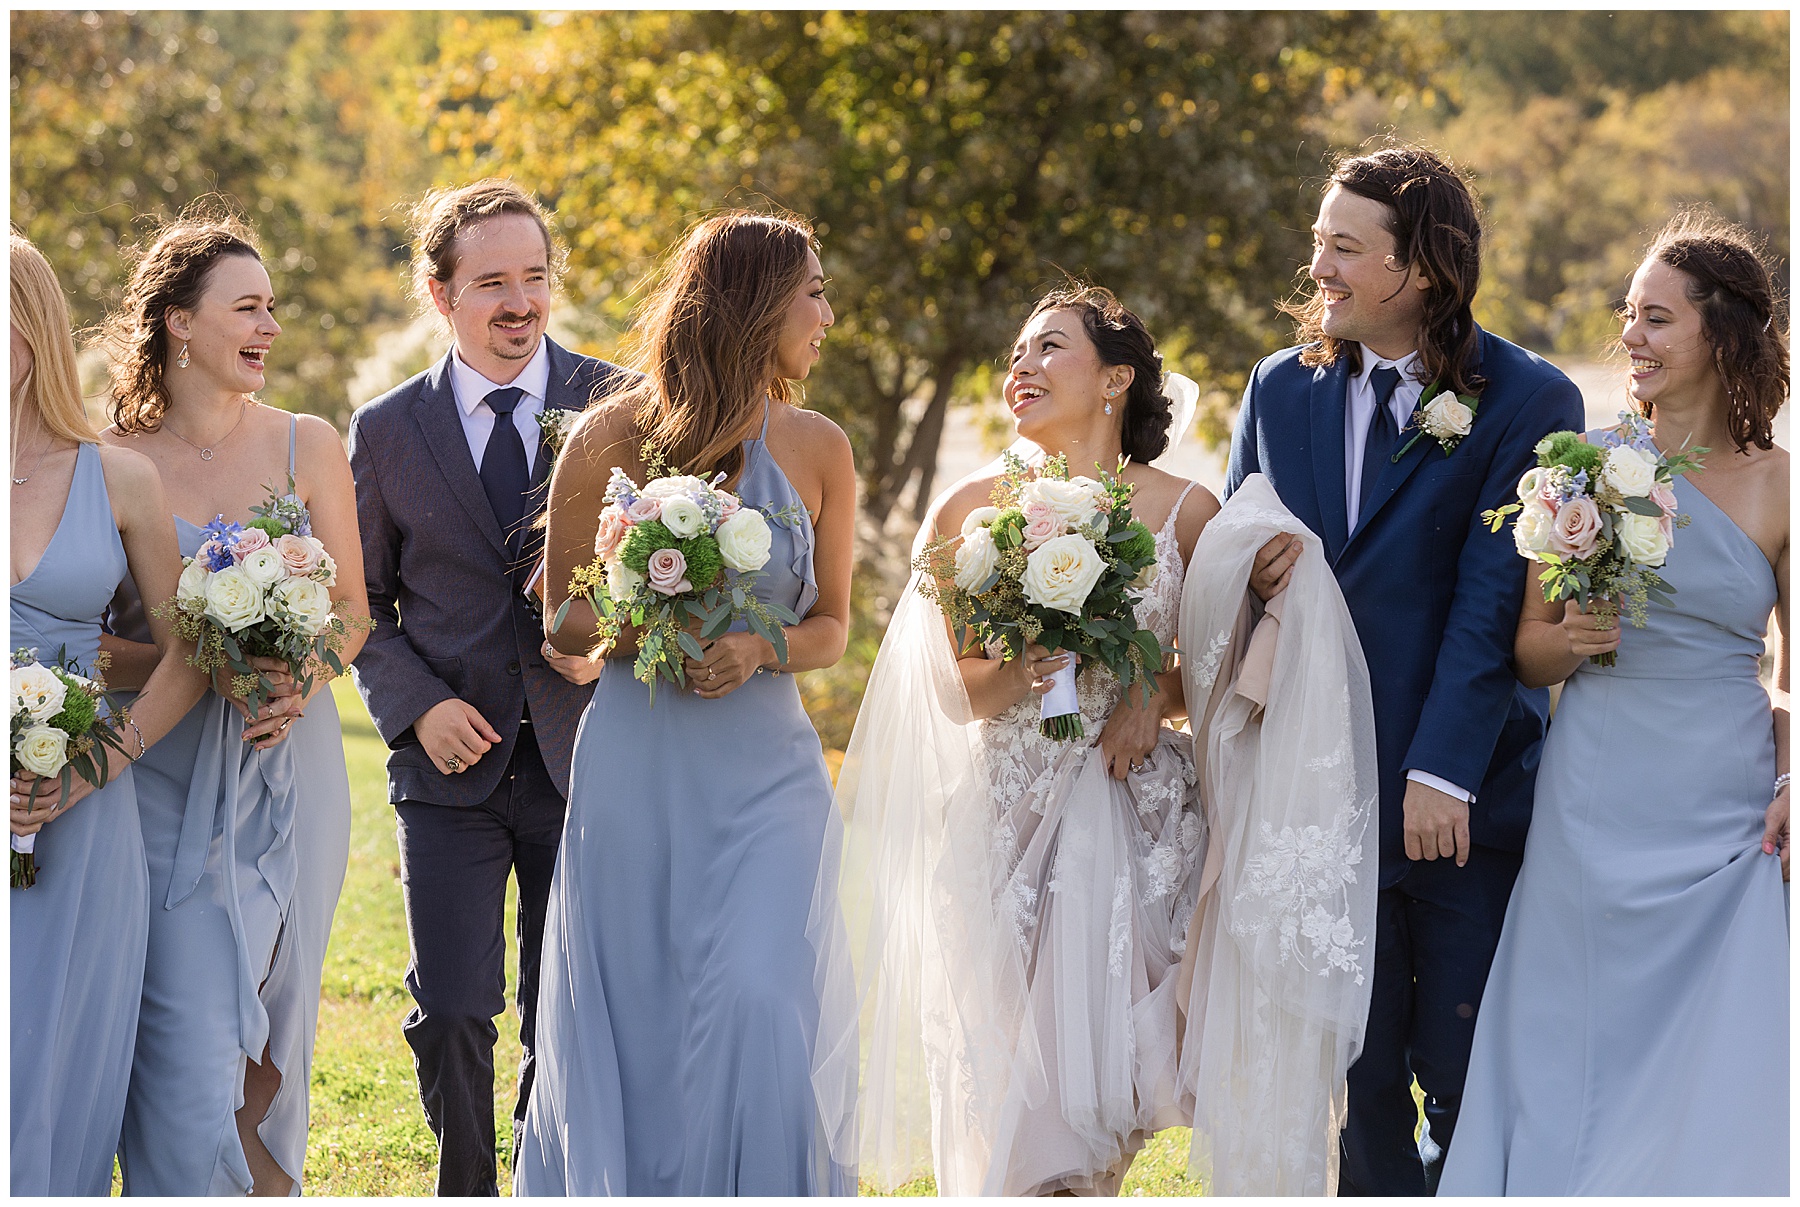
point(1633, 1038)
point(677, 1001)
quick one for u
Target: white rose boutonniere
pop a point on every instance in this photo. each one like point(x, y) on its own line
point(1442, 415)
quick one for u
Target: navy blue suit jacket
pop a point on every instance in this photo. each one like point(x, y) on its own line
point(444, 585)
point(1435, 596)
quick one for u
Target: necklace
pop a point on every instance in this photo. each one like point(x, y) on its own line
point(34, 469)
point(206, 454)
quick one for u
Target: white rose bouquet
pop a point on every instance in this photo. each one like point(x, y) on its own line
point(261, 590)
point(1601, 518)
point(675, 557)
point(57, 722)
point(1053, 561)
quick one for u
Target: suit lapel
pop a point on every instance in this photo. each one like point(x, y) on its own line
point(1327, 410)
point(441, 425)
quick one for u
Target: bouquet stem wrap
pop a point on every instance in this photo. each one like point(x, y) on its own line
point(1060, 711)
point(24, 861)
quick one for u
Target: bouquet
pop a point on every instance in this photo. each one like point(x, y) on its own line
point(675, 558)
point(1601, 518)
point(261, 589)
point(1052, 562)
point(56, 725)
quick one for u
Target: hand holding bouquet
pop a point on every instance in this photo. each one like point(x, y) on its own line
point(1052, 562)
point(57, 723)
point(676, 557)
point(1601, 517)
point(261, 589)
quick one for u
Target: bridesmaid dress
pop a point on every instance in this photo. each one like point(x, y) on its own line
point(237, 942)
point(78, 935)
point(1633, 1037)
point(676, 1007)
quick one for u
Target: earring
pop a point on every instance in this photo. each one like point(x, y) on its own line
point(1109, 406)
point(181, 362)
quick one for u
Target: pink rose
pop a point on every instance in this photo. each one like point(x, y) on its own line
point(1576, 528)
point(1663, 495)
point(728, 504)
point(643, 510)
point(1041, 524)
point(611, 533)
point(298, 555)
point(1550, 495)
point(668, 570)
point(248, 542)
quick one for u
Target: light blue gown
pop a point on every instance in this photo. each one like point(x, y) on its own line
point(676, 1007)
point(246, 856)
point(1633, 1038)
point(78, 935)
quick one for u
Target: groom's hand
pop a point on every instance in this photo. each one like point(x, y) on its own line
point(1274, 565)
point(453, 730)
point(1437, 824)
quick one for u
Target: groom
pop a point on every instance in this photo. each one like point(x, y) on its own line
point(478, 711)
point(1435, 598)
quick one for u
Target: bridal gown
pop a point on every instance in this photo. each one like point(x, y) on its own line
point(1633, 1037)
point(78, 935)
point(676, 1005)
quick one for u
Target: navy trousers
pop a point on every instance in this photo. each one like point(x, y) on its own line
point(454, 863)
point(1435, 936)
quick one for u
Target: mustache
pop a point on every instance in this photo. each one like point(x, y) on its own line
point(510, 317)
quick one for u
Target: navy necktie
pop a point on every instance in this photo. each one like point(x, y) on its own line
point(504, 474)
point(1378, 446)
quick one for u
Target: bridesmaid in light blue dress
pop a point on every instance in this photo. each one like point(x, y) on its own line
point(1633, 1037)
point(80, 519)
point(677, 1008)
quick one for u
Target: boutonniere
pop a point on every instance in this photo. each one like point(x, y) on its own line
point(553, 428)
point(1443, 416)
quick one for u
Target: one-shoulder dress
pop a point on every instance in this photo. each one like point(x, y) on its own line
point(676, 1009)
point(78, 935)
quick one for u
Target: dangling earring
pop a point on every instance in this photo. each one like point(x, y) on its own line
point(1109, 395)
point(181, 362)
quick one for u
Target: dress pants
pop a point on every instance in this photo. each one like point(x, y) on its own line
point(454, 862)
point(1435, 936)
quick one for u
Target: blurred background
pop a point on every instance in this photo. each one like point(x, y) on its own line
point(955, 165)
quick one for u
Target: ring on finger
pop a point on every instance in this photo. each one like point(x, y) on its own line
point(453, 763)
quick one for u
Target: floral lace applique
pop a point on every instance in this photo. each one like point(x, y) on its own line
point(1300, 877)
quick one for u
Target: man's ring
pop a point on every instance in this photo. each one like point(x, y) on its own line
point(453, 763)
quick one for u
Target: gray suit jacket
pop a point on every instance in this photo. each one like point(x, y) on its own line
point(444, 586)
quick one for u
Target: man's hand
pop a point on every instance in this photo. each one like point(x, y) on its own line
point(1274, 565)
point(454, 735)
point(1437, 824)
point(578, 669)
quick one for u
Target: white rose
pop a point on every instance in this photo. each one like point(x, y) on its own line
point(307, 602)
point(190, 588)
point(743, 539)
point(682, 516)
point(38, 691)
point(1530, 484)
point(1642, 538)
point(1146, 577)
point(1095, 489)
point(981, 517)
point(668, 488)
point(976, 559)
point(327, 568)
point(1531, 534)
point(233, 599)
point(1446, 418)
point(622, 580)
point(1629, 472)
point(42, 750)
point(1072, 502)
point(1060, 572)
point(263, 567)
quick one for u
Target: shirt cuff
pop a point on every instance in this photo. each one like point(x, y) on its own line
point(1442, 785)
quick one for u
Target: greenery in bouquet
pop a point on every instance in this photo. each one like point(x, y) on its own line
point(61, 720)
point(261, 590)
point(677, 560)
point(1601, 519)
point(1054, 560)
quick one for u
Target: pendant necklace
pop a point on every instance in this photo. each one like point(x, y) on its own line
point(206, 454)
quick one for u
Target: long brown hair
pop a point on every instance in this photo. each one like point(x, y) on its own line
point(170, 274)
point(1431, 213)
point(1730, 285)
point(41, 313)
point(707, 340)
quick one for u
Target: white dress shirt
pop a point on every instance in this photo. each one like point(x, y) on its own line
point(1359, 408)
point(472, 389)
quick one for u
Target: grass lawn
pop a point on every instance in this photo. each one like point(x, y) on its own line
point(368, 1131)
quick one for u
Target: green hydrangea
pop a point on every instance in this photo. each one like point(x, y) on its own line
point(704, 561)
point(78, 712)
point(643, 540)
point(1140, 546)
point(1568, 448)
point(1009, 528)
point(275, 528)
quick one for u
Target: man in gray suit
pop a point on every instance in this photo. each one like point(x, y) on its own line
point(478, 711)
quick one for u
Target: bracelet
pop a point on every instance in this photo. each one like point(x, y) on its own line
point(1782, 781)
point(140, 740)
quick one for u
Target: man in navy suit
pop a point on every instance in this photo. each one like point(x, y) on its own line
point(478, 710)
point(1435, 597)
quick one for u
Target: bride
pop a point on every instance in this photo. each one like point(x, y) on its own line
point(1035, 931)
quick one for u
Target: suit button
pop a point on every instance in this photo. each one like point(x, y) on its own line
point(512, 668)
